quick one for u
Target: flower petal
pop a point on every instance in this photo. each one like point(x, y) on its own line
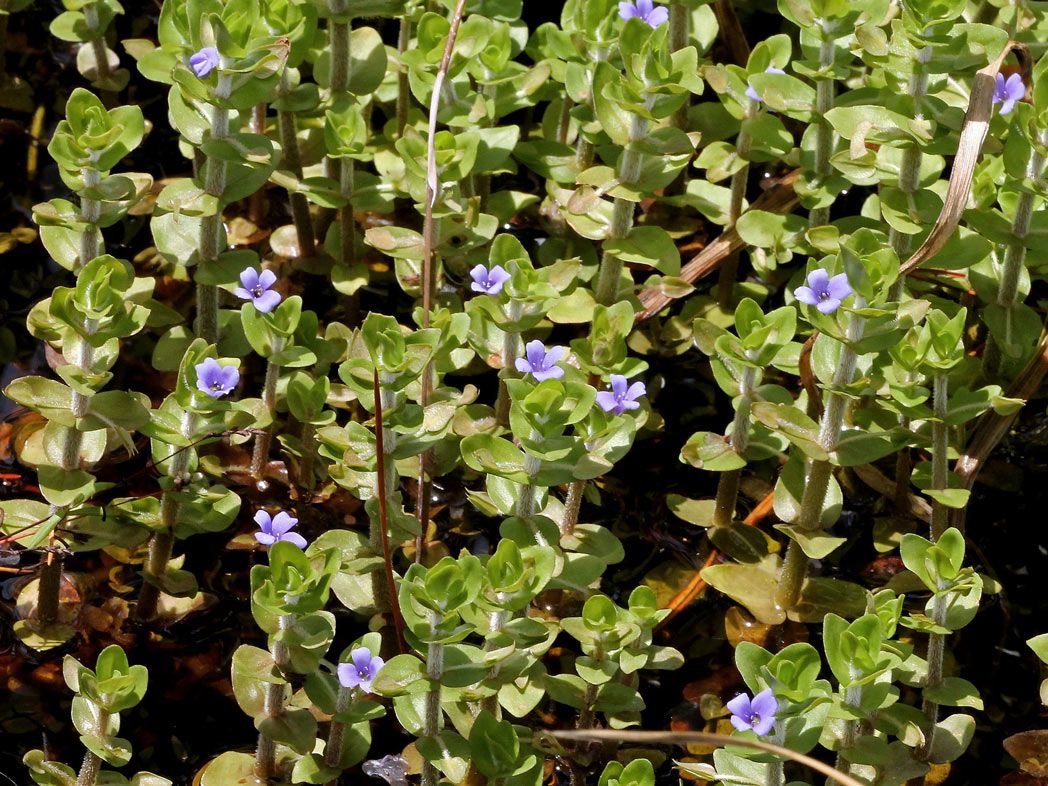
point(828, 306)
point(839, 287)
point(1007, 106)
point(752, 94)
point(740, 724)
point(805, 295)
point(295, 538)
point(657, 17)
point(765, 704)
point(347, 675)
point(627, 11)
point(249, 278)
point(478, 273)
point(535, 351)
point(818, 279)
point(267, 301)
point(265, 538)
point(229, 376)
point(243, 294)
point(618, 384)
point(282, 522)
point(361, 657)
point(740, 705)
point(636, 390)
point(644, 7)
point(764, 725)
point(554, 355)
point(267, 278)
point(523, 366)
point(478, 287)
point(264, 520)
point(606, 400)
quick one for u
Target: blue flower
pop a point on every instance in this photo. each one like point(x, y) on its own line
point(204, 62)
point(257, 287)
point(488, 281)
point(620, 398)
point(216, 380)
point(823, 292)
point(276, 528)
point(1007, 92)
point(542, 365)
point(757, 715)
point(645, 11)
point(361, 671)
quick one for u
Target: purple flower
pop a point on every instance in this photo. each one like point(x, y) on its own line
point(204, 62)
point(823, 292)
point(757, 715)
point(645, 11)
point(1007, 92)
point(751, 93)
point(361, 671)
point(278, 527)
point(257, 289)
point(488, 281)
point(620, 398)
point(214, 379)
point(539, 363)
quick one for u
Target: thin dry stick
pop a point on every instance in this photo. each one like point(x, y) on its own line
point(705, 738)
point(778, 198)
point(731, 32)
point(432, 186)
point(973, 134)
point(383, 519)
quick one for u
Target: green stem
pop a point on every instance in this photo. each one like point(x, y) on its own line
point(795, 565)
point(853, 699)
point(728, 486)
point(273, 705)
point(526, 501)
point(611, 265)
point(510, 353)
point(212, 228)
point(98, 44)
point(572, 505)
point(161, 544)
point(936, 652)
point(337, 733)
point(940, 454)
point(584, 149)
point(432, 712)
point(92, 764)
point(307, 242)
point(403, 86)
point(384, 486)
point(260, 455)
point(824, 91)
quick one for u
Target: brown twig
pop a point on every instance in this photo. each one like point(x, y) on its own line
point(731, 32)
point(778, 198)
point(432, 186)
point(706, 738)
point(383, 520)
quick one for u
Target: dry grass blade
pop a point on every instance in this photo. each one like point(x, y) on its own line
point(432, 189)
point(973, 134)
point(704, 738)
point(779, 198)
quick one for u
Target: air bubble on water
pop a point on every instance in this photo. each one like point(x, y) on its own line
point(392, 769)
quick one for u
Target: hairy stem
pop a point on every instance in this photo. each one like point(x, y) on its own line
point(940, 454)
point(307, 242)
point(98, 44)
point(273, 705)
point(260, 454)
point(824, 91)
point(572, 506)
point(212, 228)
point(728, 486)
point(92, 764)
point(510, 353)
point(337, 732)
point(795, 565)
point(432, 714)
point(403, 86)
point(936, 652)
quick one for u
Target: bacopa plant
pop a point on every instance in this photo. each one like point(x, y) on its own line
point(467, 381)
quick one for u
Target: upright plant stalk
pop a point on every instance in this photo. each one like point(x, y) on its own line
point(98, 44)
point(730, 269)
point(337, 733)
point(611, 264)
point(212, 228)
point(678, 39)
point(92, 764)
point(341, 169)
point(307, 243)
point(1015, 253)
point(853, 699)
point(403, 85)
point(431, 717)
point(728, 485)
point(429, 241)
point(162, 543)
point(80, 354)
point(510, 353)
point(795, 565)
point(273, 705)
point(260, 453)
point(584, 149)
point(386, 478)
point(824, 90)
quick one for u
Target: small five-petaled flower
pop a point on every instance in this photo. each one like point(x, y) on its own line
point(361, 671)
point(276, 528)
point(645, 11)
point(620, 397)
point(258, 288)
point(1007, 91)
point(823, 292)
point(539, 362)
point(756, 715)
point(488, 281)
point(214, 379)
point(204, 62)
point(751, 93)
